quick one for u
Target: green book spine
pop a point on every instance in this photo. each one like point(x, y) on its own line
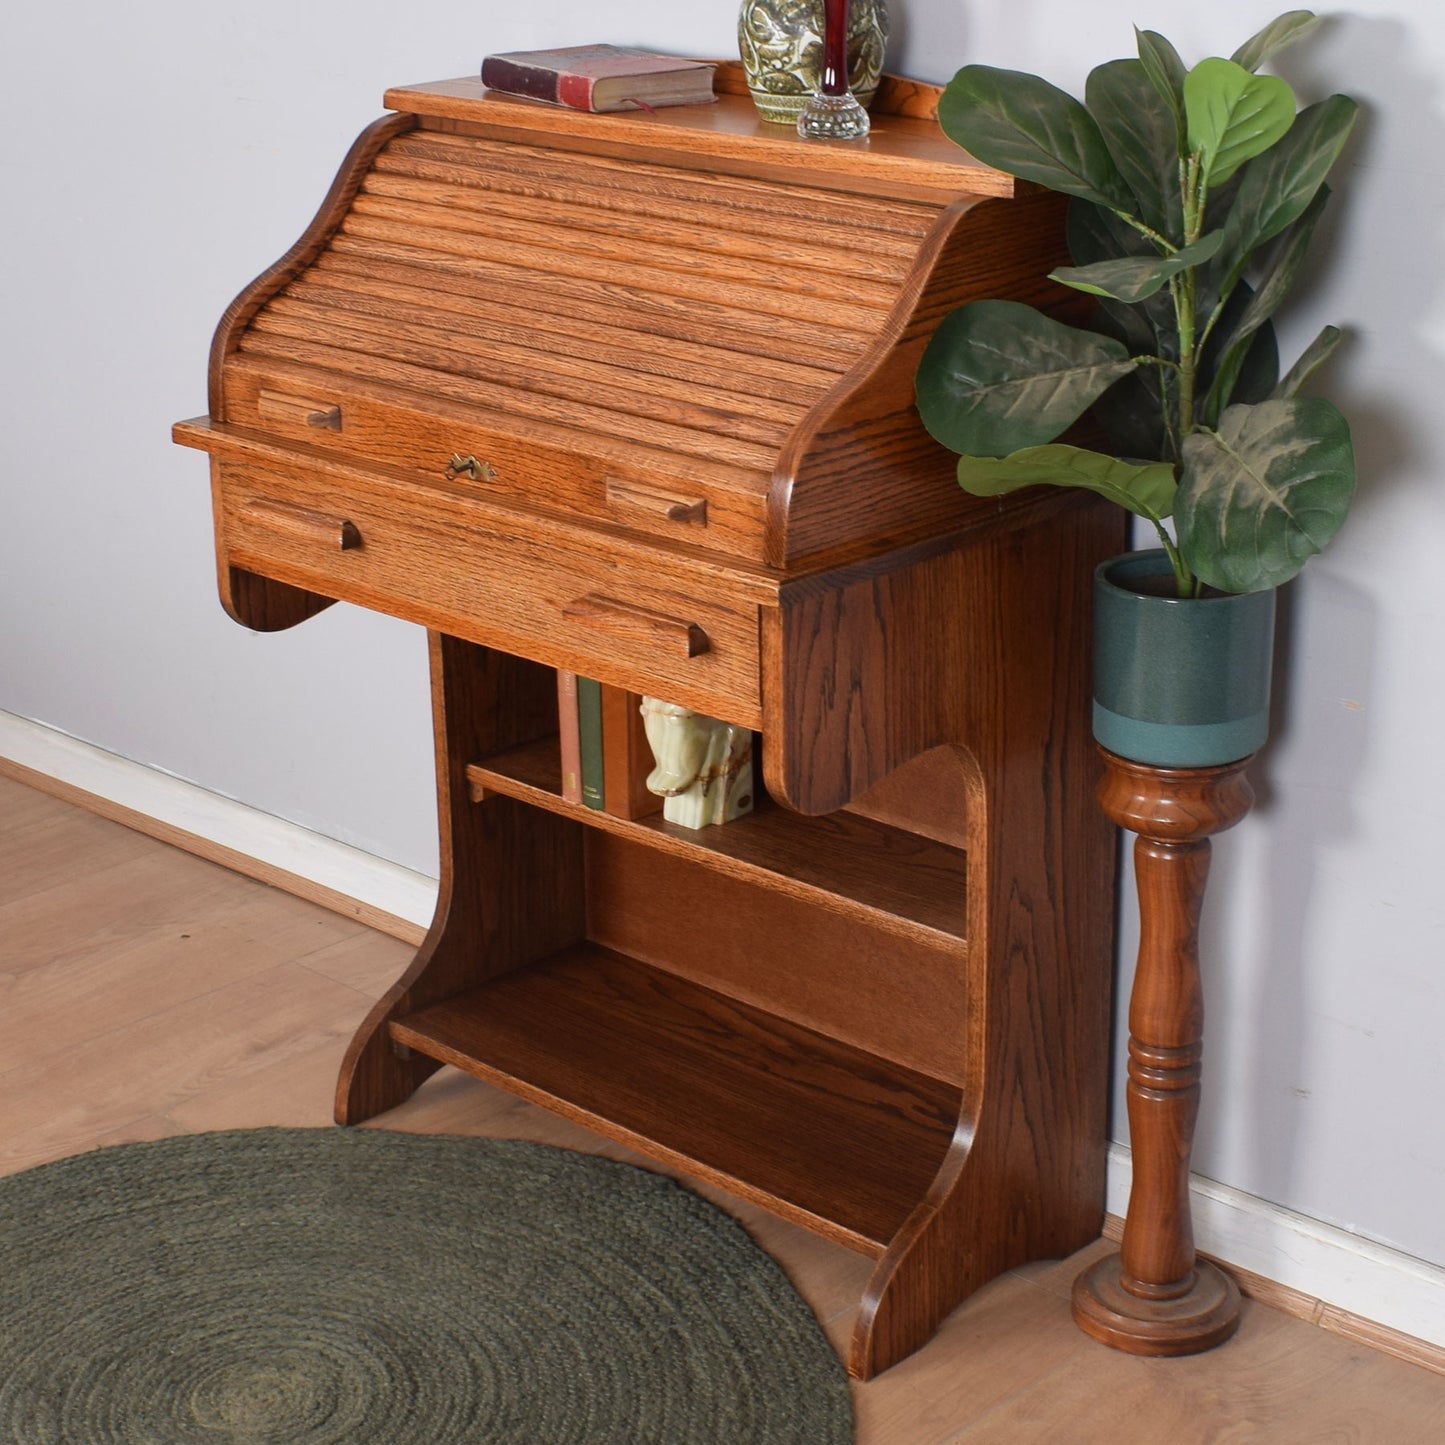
point(589, 725)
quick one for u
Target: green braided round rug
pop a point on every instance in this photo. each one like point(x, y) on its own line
point(300, 1286)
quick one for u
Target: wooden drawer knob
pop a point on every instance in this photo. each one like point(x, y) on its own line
point(299, 410)
point(641, 624)
point(643, 504)
point(336, 534)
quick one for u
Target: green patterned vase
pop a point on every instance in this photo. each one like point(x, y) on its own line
point(1178, 682)
point(781, 43)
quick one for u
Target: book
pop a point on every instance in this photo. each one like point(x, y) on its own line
point(600, 77)
point(626, 756)
point(589, 729)
point(569, 736)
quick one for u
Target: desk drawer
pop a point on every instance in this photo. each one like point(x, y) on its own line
point(506, 582)
point(697, 503)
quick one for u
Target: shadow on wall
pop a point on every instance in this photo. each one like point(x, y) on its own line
point(1379, 271)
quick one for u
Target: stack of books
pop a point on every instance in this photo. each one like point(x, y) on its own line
point(605, 753)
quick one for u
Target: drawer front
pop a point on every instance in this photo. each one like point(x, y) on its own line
point(509, 583)
point(699, 505)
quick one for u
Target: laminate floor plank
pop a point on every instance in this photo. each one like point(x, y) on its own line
point(158, 889)
point(1279, 1380)
point(366, 961)
point(59, 1106)
point(119, 1027)
point(21, 804)
point(57, 840)
point(54, 1007)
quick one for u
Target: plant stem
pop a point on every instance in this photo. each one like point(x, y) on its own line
point(1165, 245)
point(1183, 292)
point(1184, 580)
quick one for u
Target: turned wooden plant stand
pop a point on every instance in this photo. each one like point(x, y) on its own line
point(1156, 1297)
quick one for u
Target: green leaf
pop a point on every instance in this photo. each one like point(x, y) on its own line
point(1282, 264)
point(1263, 493)
point(1313, 356)
point(1247, 373)
point(1097, 234)
point(1166, 73)
point(1142, 135)
point(1277, 187)
point(1233, 116)
point(1284, 30)
point(1260, 369)
point(1147, 491)
point(1134, 413)
point(1021, 124)
point(1136, 278)
point(1234, 335)
point(998, 375)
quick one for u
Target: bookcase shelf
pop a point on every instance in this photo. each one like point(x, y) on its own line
point(826, 1135)
point(887, 877)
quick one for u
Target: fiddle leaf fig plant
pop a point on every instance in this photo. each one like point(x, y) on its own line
point(1194, 198)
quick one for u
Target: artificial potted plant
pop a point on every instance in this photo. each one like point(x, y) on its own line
point(1195, 194)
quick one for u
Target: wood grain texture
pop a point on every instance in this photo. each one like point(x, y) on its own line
point(834, 970)
point(862, 451)
point(438, 556)
point(818, 1132)
point(747, 331)
point(1156, 1297)
point(879, 875)
point(906, 154)
point(485, 921)
point(864, 669)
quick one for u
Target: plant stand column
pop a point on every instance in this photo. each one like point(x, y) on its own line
point(1155, 1297)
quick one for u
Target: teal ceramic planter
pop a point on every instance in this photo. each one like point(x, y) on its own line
point(1178, 682)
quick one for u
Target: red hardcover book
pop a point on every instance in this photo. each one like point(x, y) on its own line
point(600, 77)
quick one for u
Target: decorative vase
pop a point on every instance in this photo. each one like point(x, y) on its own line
point(781, 43)
point(1178, 682)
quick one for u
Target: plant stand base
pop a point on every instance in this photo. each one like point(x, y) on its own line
point(1156, 1297)
point(1204, 1315)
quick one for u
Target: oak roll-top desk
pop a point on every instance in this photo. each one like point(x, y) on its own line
point(631, 395)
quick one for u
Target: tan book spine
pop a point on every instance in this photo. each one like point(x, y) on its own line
point(626, 756)
point(569, 735)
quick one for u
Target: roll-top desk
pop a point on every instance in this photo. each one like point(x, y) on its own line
point(631, 396)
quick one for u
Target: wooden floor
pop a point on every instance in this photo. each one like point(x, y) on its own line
point(145, 992)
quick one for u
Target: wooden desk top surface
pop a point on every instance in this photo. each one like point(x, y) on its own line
point(905, 153)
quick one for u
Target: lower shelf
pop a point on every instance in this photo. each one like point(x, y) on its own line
point(816, 1131)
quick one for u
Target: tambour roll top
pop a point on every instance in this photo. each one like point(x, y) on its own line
point(688, 326)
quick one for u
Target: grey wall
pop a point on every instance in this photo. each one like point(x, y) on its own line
point(160, 154)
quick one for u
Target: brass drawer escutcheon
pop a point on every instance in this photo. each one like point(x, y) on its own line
point(460, 466)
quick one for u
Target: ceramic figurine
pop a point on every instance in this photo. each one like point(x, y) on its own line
point(704, 766)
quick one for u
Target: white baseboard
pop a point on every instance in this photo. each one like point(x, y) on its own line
point(1343, 1270)
point(1332, 1265)
point(282, 847)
